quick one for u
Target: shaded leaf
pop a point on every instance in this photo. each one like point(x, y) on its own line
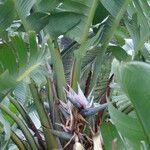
point(119, 53)
point(48, 5)
point(79, 7)
point(37, 21)
point(110, 134)
point(15, 60)
point(100, 14)
point(23, 7)
point(116, 9)
point(129, 128)
point(135, 79)
point(60, 23)
point(6, 11)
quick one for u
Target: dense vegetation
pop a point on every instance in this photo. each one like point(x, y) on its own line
point(75, 74)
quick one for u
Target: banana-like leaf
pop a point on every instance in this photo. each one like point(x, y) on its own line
point(92, 48)
point(61, 12)
point(139, 26)
point(118, 96)
point(56, 27)
point(37, 21)
point(48, 5)
point(24, 6)
point(119, 53)
point(78, 7)
point(21, 92)
point(135, 80)
point(116, 10)
point(121, 34)
point(111, 136)
point(18, 59)
point(53, 13)
point(103, 78)
point(7, 83)
point(100, 15)
point(129, 128)
point(6, 11)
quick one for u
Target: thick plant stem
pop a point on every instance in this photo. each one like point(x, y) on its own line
point(58, 69)
point(28, 120)
point(89, 22)
point(22, 126)
point(75, 75)
point(77, 62)
point(53, 102)
point(53, 99)
point(57, 64)
point(18, 141)
point(51, 140)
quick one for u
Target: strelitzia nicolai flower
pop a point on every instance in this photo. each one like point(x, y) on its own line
point(85, 105)
point(79, 100)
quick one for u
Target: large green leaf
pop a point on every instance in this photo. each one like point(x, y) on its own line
point(64, 11)
point(119, 53)
point(103, 78)
point(110, 135)
point(6, 84)
point(135, 77)
point(100, 14)
point(130, 128)
point(57, 12)
point(21, 92)
point(77, 9)
point(18, 59)
point(61, 23)
point(118, 96)
point(20, 48)
point(138, 24)
point(38, 20)
point(23, 8)
point(121, 34)
point(126, 125)
point(48, 5)
point(6, 11)
point(7, 59)
point(116, 9)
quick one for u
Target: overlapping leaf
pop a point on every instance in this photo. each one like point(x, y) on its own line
point(116, 10)
point(129, 128)
point(6, 11)
point(111, 136)
point(139, 25)
point(18, 59)
point(135, 79)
